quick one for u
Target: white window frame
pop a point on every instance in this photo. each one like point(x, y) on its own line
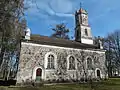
point(68, 63)
point(46, 60)
point(92, 62)
point(50, 62)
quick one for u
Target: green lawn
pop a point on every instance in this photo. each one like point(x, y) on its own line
point(111, 84)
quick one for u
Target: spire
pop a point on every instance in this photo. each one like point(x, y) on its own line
point(81, 10)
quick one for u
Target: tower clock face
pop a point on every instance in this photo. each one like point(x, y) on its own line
point(84, 20)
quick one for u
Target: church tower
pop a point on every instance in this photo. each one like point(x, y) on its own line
point(82, 30)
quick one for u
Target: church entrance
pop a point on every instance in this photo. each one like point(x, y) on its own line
point(38, 74)
point(98, 73)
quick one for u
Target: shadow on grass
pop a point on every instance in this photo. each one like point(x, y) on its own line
point(7, 83)
point(110, 84)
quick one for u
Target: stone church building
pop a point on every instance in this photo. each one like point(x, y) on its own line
point(53, 59)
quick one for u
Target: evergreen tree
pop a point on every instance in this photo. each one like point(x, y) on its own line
point(60, 31)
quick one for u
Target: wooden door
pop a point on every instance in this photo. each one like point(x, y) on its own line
point(38, 74)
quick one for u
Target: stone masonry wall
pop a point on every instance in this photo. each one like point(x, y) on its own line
point(33, 55)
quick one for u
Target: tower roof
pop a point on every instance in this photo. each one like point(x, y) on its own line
point(82, 11)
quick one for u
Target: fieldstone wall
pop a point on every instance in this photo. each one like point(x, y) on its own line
point(33, 55)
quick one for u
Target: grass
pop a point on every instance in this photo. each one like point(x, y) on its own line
point(110, 84)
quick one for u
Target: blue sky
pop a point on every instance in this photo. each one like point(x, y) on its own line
point(42, 15)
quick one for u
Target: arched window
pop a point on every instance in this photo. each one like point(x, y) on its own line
point(50, 64)
point(71, 63)
point(86, 33)
point(89, 63)
point(98, 73)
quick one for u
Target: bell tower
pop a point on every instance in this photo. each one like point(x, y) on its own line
point(82, 30)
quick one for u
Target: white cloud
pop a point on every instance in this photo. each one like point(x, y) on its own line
point(64, 15)
point(61, 6)
point(44, 8)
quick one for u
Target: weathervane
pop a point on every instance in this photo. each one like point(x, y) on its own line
point(80, 5)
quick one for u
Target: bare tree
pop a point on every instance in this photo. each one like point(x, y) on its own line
point(112, 46)
point(11, 13)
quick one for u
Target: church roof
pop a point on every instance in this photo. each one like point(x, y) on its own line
point(45, 40)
